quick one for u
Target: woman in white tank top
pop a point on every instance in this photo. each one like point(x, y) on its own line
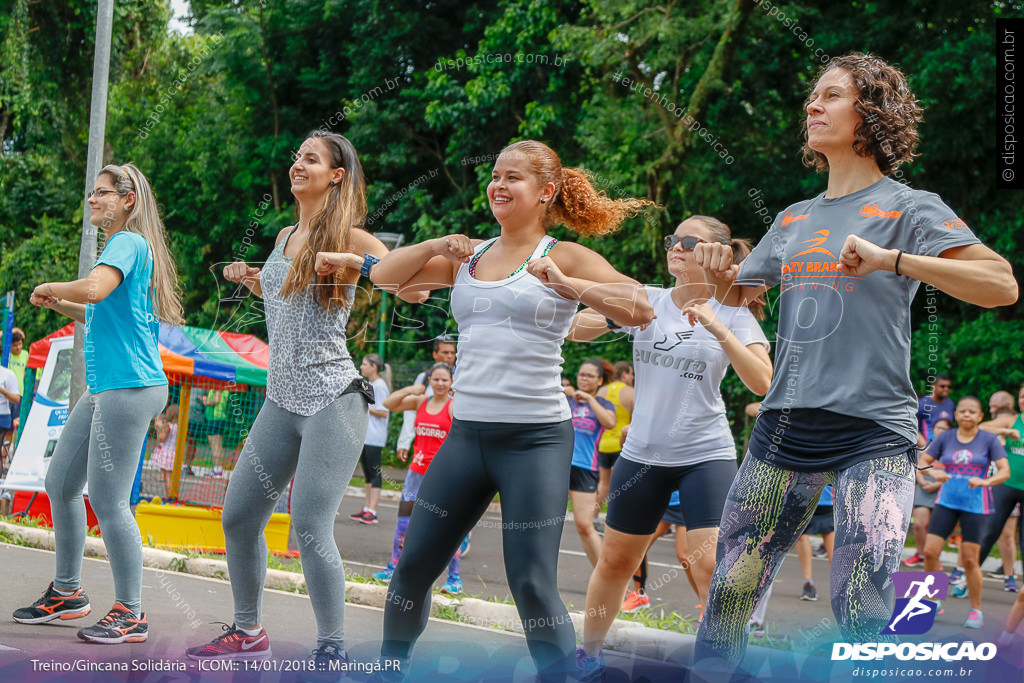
point(514, 298)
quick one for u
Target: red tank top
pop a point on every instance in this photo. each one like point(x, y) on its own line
point(431, 431)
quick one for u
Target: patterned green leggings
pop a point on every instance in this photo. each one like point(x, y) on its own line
point(766, 512)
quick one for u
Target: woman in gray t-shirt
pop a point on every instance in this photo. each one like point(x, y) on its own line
point(841, 406)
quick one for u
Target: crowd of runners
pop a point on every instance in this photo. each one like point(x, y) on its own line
point(838, 408)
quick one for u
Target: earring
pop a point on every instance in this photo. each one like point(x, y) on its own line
point(543, 201)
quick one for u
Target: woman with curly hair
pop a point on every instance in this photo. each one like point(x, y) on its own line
point(841, 405)
point(514, 297)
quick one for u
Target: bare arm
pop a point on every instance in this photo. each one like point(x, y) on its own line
point(751, 362)
point(242, 272)
point(1001, 426)
point(406, 398)
point(627, 397)
point(588, 325)
point(425, 266)
point(93, 288)
point(974, 273)
point(74, 311)
point(1001, 475)
point(576, 272)
point(720, 272)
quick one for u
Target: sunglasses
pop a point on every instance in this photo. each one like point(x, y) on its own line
point(688, 242)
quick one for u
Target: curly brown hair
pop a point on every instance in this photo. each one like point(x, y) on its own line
point(577, 204)
point(889, 113)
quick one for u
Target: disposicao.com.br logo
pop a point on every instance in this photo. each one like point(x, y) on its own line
point(914, 614)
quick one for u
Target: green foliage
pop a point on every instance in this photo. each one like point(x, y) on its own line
point(429, 94)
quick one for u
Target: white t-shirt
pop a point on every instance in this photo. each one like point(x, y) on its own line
point(9, 381)
point(408, 433)
point(679, 417)
point(377, 428)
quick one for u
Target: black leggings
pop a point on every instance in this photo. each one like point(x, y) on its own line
point(528, 465)
point(1003, 499)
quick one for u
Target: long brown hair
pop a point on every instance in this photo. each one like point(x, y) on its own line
point(144, 219)
point(740, 248)
point(577, 204)
point(344, 206)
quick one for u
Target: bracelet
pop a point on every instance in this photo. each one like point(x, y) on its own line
point(896, 268)
point(369, 261)
point(612, 325)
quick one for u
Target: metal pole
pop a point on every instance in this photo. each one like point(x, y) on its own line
point(97, 128)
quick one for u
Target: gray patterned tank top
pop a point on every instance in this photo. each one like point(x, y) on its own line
point(310, 365)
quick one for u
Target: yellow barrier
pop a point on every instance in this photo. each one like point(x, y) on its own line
point(179, 526)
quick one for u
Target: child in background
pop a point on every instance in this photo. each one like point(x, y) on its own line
point(166, 426)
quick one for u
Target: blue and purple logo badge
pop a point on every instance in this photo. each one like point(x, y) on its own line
point(916, 595)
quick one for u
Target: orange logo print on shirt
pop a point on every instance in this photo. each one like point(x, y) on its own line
point(790, 218)
point(955, 224)
point(872, 210)
point(816, 243)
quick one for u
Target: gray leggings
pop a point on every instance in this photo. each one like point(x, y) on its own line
point(321, 451)
point(102, 443)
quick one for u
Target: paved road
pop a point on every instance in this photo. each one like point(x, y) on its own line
point(366, 549)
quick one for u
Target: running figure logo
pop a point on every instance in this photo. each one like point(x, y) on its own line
point(914, 612)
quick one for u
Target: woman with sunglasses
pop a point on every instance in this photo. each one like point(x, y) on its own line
point(841, 408)
point(132, 287)
point(679, 439)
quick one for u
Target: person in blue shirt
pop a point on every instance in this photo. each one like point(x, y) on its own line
point(591, 415)
point(961, 459)
point(932, 408)
point(133, 286)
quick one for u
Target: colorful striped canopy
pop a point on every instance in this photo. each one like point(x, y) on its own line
point(193, 351)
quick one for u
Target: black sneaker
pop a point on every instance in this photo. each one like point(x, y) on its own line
point(330, 658)
point(809, 592)
point(357, 516)
point(52, 606)
point(119, 626)
point(369, 517)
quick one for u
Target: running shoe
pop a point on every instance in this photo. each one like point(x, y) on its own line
point(954, 542)
point(598, 526)
point(464, 548)
point(453, 586)
point(589, 669)
point(330, 658)
point(358, 516)
point(52, 606)
point(756, 629)
point(939, 609)
point(915, 560)
point(975, 619)
point(119, 626)
point(635, 601)
point(232, 644)
point(385, 574)
point(997, 573)
point(1010, 584)
point(958, 587)
point(369, 517)
point(809, 592)
point(821, 551)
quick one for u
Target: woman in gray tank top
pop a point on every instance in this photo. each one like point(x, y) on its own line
point(313, 423)
point(514, 298)
point(840, 409)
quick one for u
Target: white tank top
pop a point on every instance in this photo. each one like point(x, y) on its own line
point(510, 347)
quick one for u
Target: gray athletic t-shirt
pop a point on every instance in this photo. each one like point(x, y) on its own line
point(844, 341)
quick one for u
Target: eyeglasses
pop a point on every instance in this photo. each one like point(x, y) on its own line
point(688, 242)
point(100, 193)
